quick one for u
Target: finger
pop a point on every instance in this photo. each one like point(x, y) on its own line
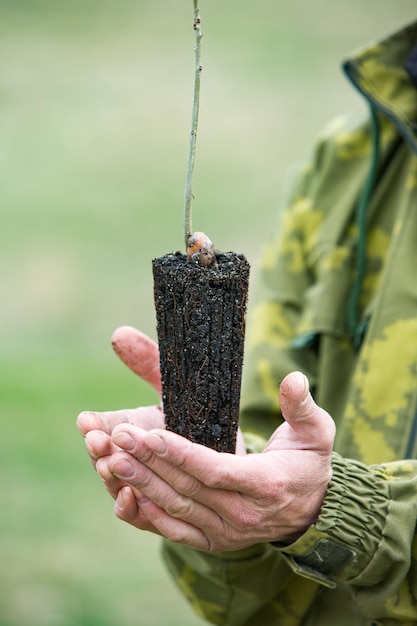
point(217, 480)
point(169, 502)
point(175, 530)
point(127, 509)
point(171, 470)
point(111, 482)
point(104, 421)
point(179, 476)
point(240, 444)
point(139, 353)
point(311, 423)
point(127, 498)
point(215, 470)
point(98, 444)
point(89, 420)
point(145, 417)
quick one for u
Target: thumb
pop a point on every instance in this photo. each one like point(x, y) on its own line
point(310, 424)
point(139, 353)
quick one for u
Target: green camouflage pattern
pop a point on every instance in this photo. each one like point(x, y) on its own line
point(358, 563)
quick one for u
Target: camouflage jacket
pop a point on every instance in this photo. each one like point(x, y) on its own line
point(337, 299)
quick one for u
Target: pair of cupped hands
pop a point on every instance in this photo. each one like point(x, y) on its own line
point(190, 494)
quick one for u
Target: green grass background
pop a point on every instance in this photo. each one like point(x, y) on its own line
point(95, 100)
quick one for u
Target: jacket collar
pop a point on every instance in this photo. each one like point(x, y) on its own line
point(385, 72)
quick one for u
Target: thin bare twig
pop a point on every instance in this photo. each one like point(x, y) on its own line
point(188, 230)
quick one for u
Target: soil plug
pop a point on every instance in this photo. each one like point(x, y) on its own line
point(200, 301)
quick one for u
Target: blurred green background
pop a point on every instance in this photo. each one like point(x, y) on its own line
point(95, 100)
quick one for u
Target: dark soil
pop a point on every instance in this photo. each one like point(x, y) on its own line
point(200, 315)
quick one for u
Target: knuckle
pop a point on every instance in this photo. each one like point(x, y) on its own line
point(329, 432)
point(248, 520)
point(144, 454)
point(216, 547)
point(271, 492)
point(224, 541)
point(188, 486)
point(179, 507)
point(176, 535)
point(143, 480)
point(219, 478)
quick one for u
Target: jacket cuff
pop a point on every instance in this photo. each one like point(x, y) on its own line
point(350, 526)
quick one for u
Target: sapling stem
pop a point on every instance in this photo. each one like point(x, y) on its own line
point(188, 231)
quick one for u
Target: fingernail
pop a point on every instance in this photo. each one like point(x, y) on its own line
point(89, 447)
point(124, 440)
point(122, 469)
point(156, 444)
point(85, 421)
point(306, 385)
point(121, 499)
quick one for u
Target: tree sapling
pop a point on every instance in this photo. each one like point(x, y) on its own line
point(200, 300)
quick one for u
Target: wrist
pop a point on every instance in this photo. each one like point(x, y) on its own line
point(349, 527)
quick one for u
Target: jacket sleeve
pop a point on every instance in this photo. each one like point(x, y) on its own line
point(365, 537)
point(244, 588)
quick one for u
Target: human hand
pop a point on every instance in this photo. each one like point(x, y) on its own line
point(220, 502)
point(141, 355)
